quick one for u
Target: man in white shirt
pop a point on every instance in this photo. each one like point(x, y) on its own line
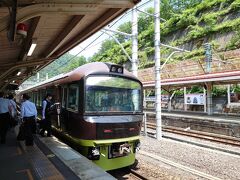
point(29, 115)
point(4, 118)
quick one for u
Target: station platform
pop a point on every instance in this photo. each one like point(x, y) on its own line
point(48, 158)
point(223, 124)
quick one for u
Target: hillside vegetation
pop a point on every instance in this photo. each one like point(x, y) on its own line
point(205, 21)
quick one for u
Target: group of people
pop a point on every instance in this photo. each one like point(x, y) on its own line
point(28, 114)
point(8, 110)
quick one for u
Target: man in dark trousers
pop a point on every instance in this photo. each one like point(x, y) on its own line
point(4, 117)
point(29, 115)
point(46, 116)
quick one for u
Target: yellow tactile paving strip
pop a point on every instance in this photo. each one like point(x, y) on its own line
point(43, 168)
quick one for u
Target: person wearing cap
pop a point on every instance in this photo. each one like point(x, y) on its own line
point(29, 115)
point(4, 117)
point(46, 116)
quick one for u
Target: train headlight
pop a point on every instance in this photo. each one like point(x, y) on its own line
point(120, 70)
point(94, 153)
point(113, 69)
point(116, 69)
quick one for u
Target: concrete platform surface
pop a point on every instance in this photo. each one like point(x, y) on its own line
point(79, 164)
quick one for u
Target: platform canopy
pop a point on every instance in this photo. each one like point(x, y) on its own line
point(53, 26)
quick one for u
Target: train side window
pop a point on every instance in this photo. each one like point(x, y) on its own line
point(73, 96)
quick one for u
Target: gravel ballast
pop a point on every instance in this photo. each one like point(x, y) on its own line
point(212, 162)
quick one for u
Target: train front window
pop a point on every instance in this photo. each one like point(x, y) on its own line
point(112, 94)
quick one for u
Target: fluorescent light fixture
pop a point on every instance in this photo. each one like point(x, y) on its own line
point(19, 72)
point(33, 46)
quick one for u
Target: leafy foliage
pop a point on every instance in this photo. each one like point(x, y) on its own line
point(198, 19)
point(64, 64)
point(219, 91)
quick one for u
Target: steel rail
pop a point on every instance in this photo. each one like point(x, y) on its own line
point(201, 135)
point(180, 166)
point(137, 175)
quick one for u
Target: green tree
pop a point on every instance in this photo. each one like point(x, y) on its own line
point(106, 45)
point(127, 28)
point(144, 21)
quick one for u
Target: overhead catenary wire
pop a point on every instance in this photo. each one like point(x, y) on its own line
point(89, 45)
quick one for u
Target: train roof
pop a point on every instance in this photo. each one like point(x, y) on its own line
point(79, 73)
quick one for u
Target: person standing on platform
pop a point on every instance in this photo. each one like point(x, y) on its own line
point(29, 115)
point(46, 116)
point(4, 118)
point(13, 107)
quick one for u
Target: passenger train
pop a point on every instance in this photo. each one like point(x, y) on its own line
point(99, 107)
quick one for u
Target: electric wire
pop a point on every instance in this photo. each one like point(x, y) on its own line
point(88, 46)
point(85, 48)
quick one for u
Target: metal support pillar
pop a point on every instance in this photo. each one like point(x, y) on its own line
point(208, 56)
point(145, 124)
point(185, 103)
point(205, 102)
point(170, 102)
point(229, 94)
point(169, 105)
point(209, 99)
point(157, 69)
point(134, 42)
point(144, 99)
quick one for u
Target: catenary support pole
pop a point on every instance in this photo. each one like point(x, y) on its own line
point(157, 69)
point(134, 42)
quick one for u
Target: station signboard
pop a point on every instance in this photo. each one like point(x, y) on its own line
point(164, 98)
point(195, 99)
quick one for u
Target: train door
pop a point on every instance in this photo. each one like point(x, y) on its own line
point(56, 115)
point(64, 113)
point(73, 108)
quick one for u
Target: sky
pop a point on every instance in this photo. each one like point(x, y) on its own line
point(92, 45)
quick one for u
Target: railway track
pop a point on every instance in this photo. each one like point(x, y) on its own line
point(201, 135)
point(179, 166)
point(127, 173)
point(136, 175)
